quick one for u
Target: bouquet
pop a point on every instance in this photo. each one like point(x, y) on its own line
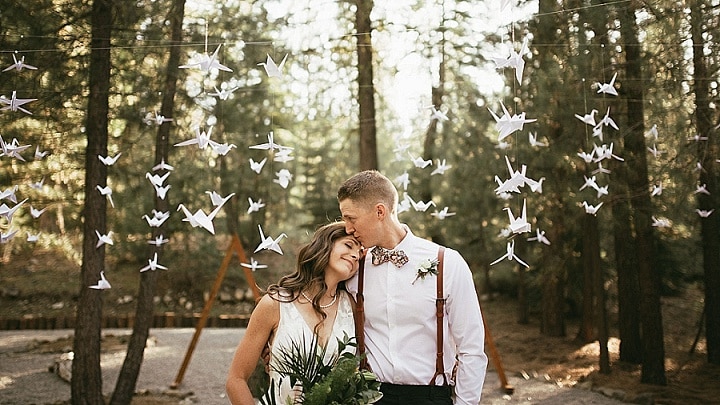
point(339, 381)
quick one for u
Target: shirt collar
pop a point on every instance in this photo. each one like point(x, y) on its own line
point(406, 240)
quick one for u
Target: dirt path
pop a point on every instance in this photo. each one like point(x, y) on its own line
point(24, 376)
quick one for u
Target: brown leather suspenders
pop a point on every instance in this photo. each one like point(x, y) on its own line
point(440, 312)
point(359, 315)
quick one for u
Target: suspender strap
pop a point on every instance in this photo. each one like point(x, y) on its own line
point(440, 311)
point(360, 316)
point(439, 308)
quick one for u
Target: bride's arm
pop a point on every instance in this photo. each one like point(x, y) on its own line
point(263, 322)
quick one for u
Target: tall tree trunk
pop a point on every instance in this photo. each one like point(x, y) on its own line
point(86, 384)
point(591, 249)
point(554, 270)
point(553, 317)
point(144, 315)
point(523, 308)
point(707, 152)
point(366, 88)
point(431, 136)
point(228, 183)
point(553, 281)
point(653, 347)
point(226, 187)
point(627, 278)
point(591, 265)
point(626, 261)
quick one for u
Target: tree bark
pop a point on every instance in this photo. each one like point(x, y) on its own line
point(553, 304)
point(366, 88)
point(523, 312)
point(627, 278)
point(591, 265)
point(554, 271)
point(86, 384)
point(591, 249)
point(707, 152)
point(144, 313)
point(653, 347)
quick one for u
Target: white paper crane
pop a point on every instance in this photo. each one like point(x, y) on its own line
point(591, 209)
point(162, 166)
point(269, 243)
point(661, 222)
point(202, 139)
point(103, 239)
point(12, 149)
point(443, 213)
point(539, 237)
point(6, 237)
point(157, 219)
point(9, 194)
point(14, 103)
point(608, 88)
point(254, 265)
point(272, 69)
point(254, 205)
point(19, 65)
point(519, 224)
point(510, 255)
point(589, 119)
point(207, 62)
point(35, 213)
point(102, 284)
point(107, 192)
point(515, 60)
point(157, 180)
point(216, 199)
point(441, 168)
point(419, 162)
point(7, 212)
point(159, 240)
point(257, 166)
point(283, 178)
point(507, 124)
point(109, 161)
point(153, 264)
point(200, 218)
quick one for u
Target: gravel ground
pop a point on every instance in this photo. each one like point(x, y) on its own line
point(24, 376)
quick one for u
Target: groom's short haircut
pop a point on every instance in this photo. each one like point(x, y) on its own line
point(367, 188)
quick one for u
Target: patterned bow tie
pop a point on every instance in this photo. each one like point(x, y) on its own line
point(382, 255)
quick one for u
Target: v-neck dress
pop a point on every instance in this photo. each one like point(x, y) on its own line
point(292, 328)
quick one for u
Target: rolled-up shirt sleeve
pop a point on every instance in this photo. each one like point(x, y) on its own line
point(466, 328)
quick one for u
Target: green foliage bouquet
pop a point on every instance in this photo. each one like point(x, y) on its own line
point(337, 381)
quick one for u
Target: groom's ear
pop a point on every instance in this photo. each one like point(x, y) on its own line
point(381, 210)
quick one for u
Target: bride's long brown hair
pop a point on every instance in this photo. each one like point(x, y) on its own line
point(309, 274)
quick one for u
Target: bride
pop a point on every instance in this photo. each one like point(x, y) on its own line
point(309, 305)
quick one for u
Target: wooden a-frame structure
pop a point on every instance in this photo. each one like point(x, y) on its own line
point(235, 247)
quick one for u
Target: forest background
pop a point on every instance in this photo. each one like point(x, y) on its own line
point(371, 86)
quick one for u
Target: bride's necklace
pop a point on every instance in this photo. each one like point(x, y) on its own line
point(321, 306)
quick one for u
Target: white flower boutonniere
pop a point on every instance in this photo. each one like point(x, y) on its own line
point(427, 266)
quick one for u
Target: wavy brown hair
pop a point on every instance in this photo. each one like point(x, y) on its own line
point(312, 260)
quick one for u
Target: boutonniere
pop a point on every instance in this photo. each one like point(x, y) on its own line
point(427, 266)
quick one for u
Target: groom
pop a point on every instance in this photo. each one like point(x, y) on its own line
point(400, 303)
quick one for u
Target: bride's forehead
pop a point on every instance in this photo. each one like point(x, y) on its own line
point(350, 239)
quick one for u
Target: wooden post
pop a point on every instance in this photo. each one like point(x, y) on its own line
point(235, 247)
point(497, 363)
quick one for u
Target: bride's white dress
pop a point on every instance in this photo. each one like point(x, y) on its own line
point(292, 328)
